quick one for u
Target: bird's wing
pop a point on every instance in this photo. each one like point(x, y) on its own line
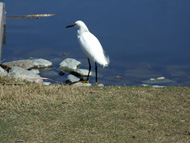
point(92, 48)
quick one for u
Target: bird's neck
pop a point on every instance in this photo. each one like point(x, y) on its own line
point(82, 30)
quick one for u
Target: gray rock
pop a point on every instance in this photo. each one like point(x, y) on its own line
point(25, 64)
point(147, 85)
point(69, 65)
point(159, 80)
point(101, 84)
point(41, 63)
point(36, 71)
point(23, 74)
point(46, 83)
point(82, 84)
point(158, 86)
point(2, 72)
point(72, 79)
point(29, 64)
point(83, 72)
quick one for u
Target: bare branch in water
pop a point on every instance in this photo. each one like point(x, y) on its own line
point(33, 16)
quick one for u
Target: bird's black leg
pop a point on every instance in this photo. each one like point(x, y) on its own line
point(96, 68)
point(89, 70)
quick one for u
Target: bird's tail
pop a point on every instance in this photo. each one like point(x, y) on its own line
point(107, 61)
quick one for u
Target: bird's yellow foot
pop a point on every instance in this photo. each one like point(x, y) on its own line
point(84, 81)
point(96, 83)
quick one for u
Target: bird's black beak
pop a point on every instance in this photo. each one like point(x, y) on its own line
point(70, 26)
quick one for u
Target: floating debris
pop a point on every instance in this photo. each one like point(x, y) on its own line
point(118, 77)
point(64, 54)
point(33, 16)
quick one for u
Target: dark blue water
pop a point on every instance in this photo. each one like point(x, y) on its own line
point(143, 38)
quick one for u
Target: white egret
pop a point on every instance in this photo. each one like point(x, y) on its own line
point(91, 47)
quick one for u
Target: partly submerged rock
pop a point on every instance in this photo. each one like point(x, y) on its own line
point(23, 74)
point(47, 83)
point(69, 65)
point(82, 84)
point(36, 71)
point(72, 79)
point(29, 64)
point(101, 84)
point(159, 80)
point(41, 63)
point(83, 72)
point(157, 86)
point(2, 72)
point(25, 64)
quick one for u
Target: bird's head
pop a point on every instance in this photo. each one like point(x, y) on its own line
point(81, 25)
point(78, 23)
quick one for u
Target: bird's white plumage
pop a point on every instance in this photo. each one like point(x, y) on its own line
point(90, 45)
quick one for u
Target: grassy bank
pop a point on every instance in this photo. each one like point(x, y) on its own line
point(32, 113)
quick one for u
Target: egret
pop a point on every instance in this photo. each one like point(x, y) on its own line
point(91, 47)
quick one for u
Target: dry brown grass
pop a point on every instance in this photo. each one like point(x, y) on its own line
point(34, 113)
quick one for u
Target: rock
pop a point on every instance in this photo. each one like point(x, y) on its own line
point(83, 72)
point(101, 84)
point(159, 80)
point(72, 79)
point(25, 64)
point(46, 83)
point(144, 85)
point(2, 72)
point(41, 63)
point(158, 86)
point(23, 74)
point(152, 79)
point(69, 65)
point(36, 71)
point(82, 84)
point(29, 64)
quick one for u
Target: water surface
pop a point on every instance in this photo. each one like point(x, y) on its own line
point(143, 38)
